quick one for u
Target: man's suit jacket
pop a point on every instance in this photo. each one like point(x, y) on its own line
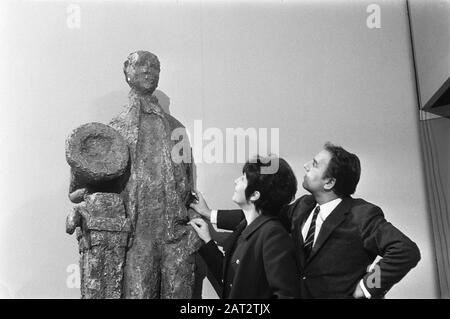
point(267, 264)
point(348, 242)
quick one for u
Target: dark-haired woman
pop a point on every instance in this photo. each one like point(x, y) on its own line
point(259, 260)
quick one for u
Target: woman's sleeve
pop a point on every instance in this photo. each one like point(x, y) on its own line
point(280, 264)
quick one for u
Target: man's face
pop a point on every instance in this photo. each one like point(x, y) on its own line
point(315, 169)
point(143, 74)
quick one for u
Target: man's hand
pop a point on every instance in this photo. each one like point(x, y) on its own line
point(358, 293)
point(201, 207)
point(202, 229)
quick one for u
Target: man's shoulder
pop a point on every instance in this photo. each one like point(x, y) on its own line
point(297, 209)
point(363, 209)
point(359, 203)
point(306, 199)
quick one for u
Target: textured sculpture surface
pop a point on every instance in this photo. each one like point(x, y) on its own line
point(102, 233)
point(148, 200)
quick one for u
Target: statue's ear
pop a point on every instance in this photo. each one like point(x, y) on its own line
point(125, 67)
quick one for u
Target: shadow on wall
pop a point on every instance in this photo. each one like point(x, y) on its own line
point(112, 104)
point(163, 99)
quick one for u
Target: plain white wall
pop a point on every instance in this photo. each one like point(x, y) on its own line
point(313, 69)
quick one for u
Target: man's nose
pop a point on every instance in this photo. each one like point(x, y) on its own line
point(306, 166)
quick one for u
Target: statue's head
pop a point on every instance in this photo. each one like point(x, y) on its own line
point(142, 71)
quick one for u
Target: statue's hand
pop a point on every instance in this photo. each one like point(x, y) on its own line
point(78, 195)
point(73, 220)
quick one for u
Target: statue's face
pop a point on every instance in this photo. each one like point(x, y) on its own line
point(143, 73)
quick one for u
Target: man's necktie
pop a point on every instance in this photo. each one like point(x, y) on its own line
point(309, 241)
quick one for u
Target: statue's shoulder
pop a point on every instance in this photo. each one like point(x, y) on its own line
point(124, 113)
point(122, 118)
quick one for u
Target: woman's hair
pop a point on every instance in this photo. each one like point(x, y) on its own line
point(276, 189)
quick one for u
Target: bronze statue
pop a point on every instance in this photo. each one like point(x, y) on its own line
point(154, 190)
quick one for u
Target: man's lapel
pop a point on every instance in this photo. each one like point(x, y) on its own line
point(304, 209)
point(336, 217)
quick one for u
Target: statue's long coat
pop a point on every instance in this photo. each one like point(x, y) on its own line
point(159, 261)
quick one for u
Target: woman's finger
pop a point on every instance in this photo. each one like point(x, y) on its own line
point(196, 228)
point(198, 221)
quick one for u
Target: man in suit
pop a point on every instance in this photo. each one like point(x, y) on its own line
point(337, 238)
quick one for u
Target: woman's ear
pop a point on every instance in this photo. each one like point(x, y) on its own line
point(255, 196)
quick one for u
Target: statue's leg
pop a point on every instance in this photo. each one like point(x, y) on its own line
point(177, 272)
point(142, 274)
point(94, 265)
point(114, 262)
point(83, 267)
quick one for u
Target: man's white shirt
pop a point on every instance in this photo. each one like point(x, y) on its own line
point(325, 211)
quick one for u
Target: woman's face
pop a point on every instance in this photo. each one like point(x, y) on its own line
point(239, 190)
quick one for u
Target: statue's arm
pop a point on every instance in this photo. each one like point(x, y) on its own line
point(77, 188)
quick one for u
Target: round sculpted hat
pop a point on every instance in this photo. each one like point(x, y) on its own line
point(97, 152)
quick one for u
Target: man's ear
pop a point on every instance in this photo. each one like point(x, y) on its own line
point(330, 184)
point(255, 196)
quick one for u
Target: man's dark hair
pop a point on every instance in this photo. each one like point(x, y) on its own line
point(276, 190)
point(345, 168)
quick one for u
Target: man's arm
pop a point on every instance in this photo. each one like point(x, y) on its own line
point(230, 219)
point(399, 253)
point(224, 219)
